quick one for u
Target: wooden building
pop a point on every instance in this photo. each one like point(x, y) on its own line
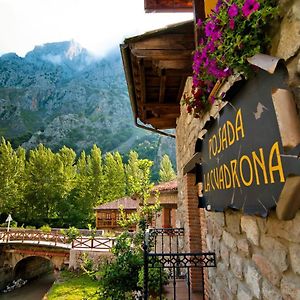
point(108, 214)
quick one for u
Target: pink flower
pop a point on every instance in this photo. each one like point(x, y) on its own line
point(249, 7)
point(231, 24)
point(233, 10)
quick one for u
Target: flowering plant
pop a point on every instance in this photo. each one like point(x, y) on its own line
point(233, 32)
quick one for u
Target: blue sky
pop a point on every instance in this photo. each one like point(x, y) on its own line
point(97, 25)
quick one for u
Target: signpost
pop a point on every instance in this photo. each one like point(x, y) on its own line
point(8, 219)
point(250, 154)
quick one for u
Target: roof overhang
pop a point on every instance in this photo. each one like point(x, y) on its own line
point(168, 6)
point(156, 66)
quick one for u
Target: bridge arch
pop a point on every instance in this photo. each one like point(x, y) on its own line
point(32, 266)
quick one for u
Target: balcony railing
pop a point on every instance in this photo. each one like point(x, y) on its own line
point(107, 223)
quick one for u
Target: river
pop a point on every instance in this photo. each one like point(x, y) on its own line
point(34, 290)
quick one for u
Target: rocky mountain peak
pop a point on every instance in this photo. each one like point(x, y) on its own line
point(74, 50)
point(69, 53)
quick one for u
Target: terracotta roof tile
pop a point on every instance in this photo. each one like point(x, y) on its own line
point(166, 186)
point(126, 202)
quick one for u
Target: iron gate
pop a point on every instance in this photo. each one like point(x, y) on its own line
point(162, 251)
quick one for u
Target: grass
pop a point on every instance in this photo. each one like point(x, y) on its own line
point(72, 286)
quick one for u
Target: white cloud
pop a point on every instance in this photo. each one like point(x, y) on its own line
point(96, 24)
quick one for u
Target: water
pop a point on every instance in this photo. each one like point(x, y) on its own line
point(34, 290)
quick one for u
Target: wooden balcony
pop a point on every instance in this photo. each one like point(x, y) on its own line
point(107, 223)
point(110, 224)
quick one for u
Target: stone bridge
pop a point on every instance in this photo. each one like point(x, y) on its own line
point(29, 253)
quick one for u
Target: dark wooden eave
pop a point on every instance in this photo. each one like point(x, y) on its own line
point(156, 66)
point(168, 6)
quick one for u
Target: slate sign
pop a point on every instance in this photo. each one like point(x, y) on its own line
point(243, 165)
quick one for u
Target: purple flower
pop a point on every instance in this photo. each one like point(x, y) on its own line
point(215, 35)
point(231, 24)
point(211, 46)
point(196, 81)
point(210, 27)
point(219, 4)
point(233, 10)
point(249, 7)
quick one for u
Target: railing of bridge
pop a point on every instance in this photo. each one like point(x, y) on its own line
point(55, 238)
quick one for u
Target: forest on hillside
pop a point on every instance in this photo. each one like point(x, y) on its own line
point(61, 189)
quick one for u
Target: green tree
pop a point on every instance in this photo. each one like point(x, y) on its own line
point(138, 176)
point(67, 175)
point(96, 176)
point(46, 184)
point(80, 202)
point(114, 173)
point(12, 165)
point(166, 172)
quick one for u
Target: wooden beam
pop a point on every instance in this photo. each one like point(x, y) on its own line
point(161, 123)
point(151, 6)
point(199, 13)
point(181, 88)
point(178, 64)
point(159, 105)
point(167, 42)
point(173, 81)
point(179, 73)
point(162, 88)
point(142, 80)
point(162, 54)
point(199, 10)
point(162, 116)
point(170, 110)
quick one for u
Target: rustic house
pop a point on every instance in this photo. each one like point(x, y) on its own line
point(255, 236)
point(168, 197)
point(108, 214)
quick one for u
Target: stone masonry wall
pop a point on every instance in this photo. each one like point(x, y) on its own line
point(257, 258)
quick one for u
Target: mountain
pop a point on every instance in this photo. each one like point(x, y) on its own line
point(59, 94)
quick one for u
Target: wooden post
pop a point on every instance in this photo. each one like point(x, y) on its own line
point(199, 13)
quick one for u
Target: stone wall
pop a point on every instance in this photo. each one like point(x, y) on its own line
point(257, 258)
point(286, 42)
point(6, 276)
point(97, 257)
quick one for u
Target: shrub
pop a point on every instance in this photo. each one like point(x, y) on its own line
point(119, 278)
point(155, 276)
point(72, 233)
point(46, 228)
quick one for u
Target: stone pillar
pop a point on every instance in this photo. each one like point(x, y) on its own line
point(192, 228)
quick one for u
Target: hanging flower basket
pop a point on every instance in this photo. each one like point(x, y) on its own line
point(233, 32)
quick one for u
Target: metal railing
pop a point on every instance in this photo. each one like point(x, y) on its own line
point(162, 251)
